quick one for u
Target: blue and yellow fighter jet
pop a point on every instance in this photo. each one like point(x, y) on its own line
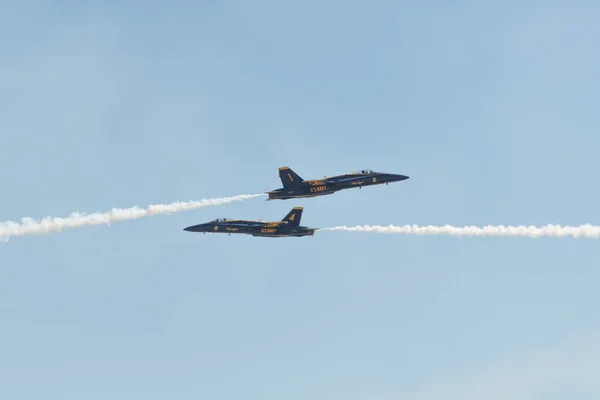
point(294, 186)
point(289, 226)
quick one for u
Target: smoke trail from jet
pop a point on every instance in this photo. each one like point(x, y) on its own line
point(582, 231)
point(28, 226)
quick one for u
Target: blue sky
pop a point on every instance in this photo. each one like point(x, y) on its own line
point(489, 107)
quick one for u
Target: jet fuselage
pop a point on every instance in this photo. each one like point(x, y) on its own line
point(289, 226)
point(296, 187)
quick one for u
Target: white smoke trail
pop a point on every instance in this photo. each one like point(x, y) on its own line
point(588, 231)
point(28, 226)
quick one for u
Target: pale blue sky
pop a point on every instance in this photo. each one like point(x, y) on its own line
point(490, 107)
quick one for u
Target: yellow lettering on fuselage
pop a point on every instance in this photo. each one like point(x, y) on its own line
point(268, 230)
point(318, 189)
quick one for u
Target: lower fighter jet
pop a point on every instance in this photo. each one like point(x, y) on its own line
point(296, 187)
point(289, 226)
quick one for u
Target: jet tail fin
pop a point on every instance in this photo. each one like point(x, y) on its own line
point(294, 216)
point(288, 177)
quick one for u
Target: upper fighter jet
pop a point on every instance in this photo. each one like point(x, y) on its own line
point(289, 226)
point(294, 186)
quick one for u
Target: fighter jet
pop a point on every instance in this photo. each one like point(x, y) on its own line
point(289, 226)
point(296, 187)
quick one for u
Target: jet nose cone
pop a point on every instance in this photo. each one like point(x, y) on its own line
point(397, 178)
point(195, 228)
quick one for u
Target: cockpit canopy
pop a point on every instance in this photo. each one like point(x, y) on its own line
point(364, 172)
point(220, 220)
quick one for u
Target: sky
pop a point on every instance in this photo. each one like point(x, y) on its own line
point(491, 108)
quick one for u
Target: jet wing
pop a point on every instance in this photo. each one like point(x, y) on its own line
point(273, 224)
point(343, 179)
point(316, 182)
